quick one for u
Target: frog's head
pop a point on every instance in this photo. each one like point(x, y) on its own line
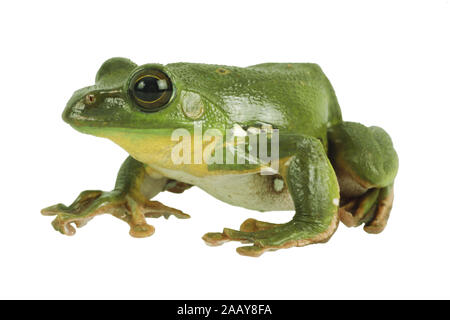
point(128, 98)
point(139, 105)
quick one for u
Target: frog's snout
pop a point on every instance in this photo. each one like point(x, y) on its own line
point(75, 110)
point(94, 107)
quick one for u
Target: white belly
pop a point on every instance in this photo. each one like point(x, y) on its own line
point(252, 191)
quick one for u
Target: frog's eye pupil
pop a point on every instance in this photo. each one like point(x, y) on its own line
point(151, 90)
point(148, 90)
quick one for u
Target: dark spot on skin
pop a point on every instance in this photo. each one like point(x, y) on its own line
point(222, 71)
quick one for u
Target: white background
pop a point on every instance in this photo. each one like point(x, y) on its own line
point(389, 64)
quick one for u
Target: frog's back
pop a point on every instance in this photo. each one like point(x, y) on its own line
point(296, 97)
point(309, 94)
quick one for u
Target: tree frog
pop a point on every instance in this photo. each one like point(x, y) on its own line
point(327, 170)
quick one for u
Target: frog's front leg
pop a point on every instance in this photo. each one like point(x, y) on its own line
point(366, 165)
point(314, 189)
point(128, 202)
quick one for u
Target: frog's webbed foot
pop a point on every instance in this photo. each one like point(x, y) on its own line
point(372, 209)
point(129, 208)
point(68, 215)
point(267, 236)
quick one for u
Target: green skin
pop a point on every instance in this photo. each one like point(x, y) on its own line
point(332, 170)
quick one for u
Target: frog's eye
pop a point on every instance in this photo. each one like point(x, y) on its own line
point(151, 90)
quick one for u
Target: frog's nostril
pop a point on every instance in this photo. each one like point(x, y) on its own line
point(89, 99)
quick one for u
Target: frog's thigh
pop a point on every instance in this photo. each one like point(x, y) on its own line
point(366, 165)
point(314, 189)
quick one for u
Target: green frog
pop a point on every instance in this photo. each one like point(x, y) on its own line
point(326, 170)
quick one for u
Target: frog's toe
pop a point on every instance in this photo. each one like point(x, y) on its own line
point(63, 223)
point(241, 236)
point(251, 251)
point(356, 211)
point(372, 209)
point(155, 209)
point(84, 199)
point(219, 238)
point(215, 238)
point(244, 235)
point(378, 223)
point(252, 225)
point(54, 210)
point(65, 217)
point(66, 229)
point(142, 230)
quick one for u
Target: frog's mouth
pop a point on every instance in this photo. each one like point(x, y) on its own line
point(79, 121)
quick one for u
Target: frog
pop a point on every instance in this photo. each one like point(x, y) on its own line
point(327, 170)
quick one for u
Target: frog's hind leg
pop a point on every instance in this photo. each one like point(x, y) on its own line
point(366, 165)
point(314, 189)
